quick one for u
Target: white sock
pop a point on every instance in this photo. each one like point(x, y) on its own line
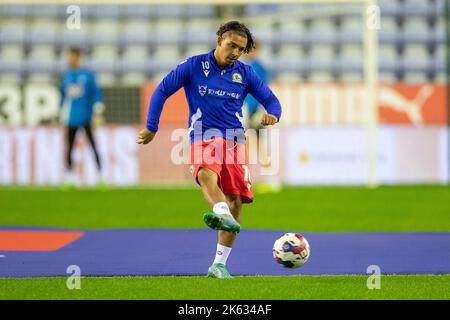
point(221, 208)
point(222, 254)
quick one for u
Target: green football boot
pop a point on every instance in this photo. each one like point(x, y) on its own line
point(221, 222)
point(218, 270)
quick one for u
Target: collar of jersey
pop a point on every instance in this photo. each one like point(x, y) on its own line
point(213, 61)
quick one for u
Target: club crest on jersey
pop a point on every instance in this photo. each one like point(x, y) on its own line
point(236, 77)
point(202, 90)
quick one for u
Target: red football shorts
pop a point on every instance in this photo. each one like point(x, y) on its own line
point(229, 160)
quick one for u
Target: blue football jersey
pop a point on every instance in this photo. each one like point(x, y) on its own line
point(215, 96)
point(79, 92)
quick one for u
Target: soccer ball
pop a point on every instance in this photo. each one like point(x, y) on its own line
point(291, 250)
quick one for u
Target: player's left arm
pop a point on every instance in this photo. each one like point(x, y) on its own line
point(265, 97)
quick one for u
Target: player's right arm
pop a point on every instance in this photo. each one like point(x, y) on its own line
point(176, 79)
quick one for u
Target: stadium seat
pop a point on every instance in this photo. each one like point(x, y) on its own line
point(262, 29)
point(167, 31)
point(165, 58)
point(45, 31)
point(134, 11)
point(11, 59)
point(351, 77)
point(109, 11)
point(13, 77)
point(12, 52)
point(76, 37)
point(12, 31)
point(167, 52)
point(385, 77)
point(415, 58)
point(351, 58)
point(389, 7)
point(105, 32)
point(193, 50)
point(42, 77)
point(106, 79)
point(260, 9)
point(46, 10)
point(438, 31)
point(137, 31)
point(289, 8)
point(439, 60)
point(414, 7)
point(17, 11)
point(265, 54)
point(155, 38)
point(133, 79)
point(290, 57)
point(291, 31)
point(288, 76)
point(169, 11)
point(158, 76)
point(436, 7)
point(322, 58)
point(323, 31)
point(320, 76)
point(104, 59)
point(416, 30)
point(200, 31)
point(415, 77)
point(42, 54)
point(351, 30)
point(136, 52)
point(134, 58)
point(388, 58)
point(200, 11)
point(388, 33)
point(441, 77)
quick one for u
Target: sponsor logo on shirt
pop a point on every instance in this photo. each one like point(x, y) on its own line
point(222, 93)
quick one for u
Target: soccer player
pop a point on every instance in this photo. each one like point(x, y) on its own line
point(216, 84)
point(80, 98)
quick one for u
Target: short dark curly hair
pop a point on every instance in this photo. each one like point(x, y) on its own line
point(240, 29)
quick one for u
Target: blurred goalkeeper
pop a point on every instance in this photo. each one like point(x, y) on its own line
point(81, 99)
point(216, 84)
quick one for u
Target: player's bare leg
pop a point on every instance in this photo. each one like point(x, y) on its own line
point(225, 241)
point(209, 183)
point(221, 218)
point(235, 204)
point(224, 218)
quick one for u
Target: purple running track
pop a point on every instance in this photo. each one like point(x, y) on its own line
point(121, 252)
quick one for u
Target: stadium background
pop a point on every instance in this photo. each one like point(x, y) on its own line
point(315, 52)
point(315, 55)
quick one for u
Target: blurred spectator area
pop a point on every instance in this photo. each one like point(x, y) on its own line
point(306, 42)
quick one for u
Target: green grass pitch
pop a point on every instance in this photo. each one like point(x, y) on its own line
point(304, 209)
